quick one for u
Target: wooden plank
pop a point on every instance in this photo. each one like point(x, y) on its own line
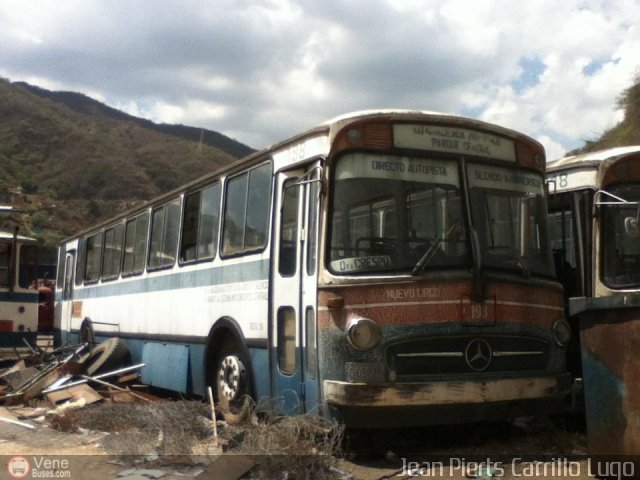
point(74, 393)
point(7, 417)
point(128, 378)
point(229, 467)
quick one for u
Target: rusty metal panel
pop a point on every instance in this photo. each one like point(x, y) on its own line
point(610, 340)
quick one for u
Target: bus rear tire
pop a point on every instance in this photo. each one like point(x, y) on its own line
point(233, 384)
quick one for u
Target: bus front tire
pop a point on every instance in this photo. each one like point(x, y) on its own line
point(233, 385)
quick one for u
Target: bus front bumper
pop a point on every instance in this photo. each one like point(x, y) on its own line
point(448, 401)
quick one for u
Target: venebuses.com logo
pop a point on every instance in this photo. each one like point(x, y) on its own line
point(38, 467)
point(18, 467)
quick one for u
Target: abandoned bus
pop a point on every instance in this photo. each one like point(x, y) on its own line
point(380, 265)
point(594, 222)
point(19, 295)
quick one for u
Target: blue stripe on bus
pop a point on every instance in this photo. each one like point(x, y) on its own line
point(243, 272)
point(19, 297)
point(15, 339)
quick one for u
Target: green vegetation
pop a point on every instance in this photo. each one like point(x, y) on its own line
point(627, 132)
point(67, 161)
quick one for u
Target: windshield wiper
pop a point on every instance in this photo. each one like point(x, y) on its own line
point(430, 253)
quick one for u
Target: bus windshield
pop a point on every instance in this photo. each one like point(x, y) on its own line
point(392, 212)
point(509, 216)
point(620, 245)
point(397, 213)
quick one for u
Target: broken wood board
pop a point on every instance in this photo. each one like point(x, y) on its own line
point(7, 417)
point(229, 467)
point(132, 377)
point(74, 393)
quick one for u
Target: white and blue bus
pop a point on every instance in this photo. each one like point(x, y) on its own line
point(380, 265)
point(595, 237)
point(19, 294)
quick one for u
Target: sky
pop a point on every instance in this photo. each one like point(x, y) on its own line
point(260, 71)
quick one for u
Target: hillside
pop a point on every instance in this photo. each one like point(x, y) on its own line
point(83, 104)
point(69, 161)
point(626, 132)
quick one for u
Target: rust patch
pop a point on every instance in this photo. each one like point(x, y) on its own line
point(76, 309)
point(6, 325)
point(430, 303)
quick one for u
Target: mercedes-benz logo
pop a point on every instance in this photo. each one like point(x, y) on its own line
point(478, 354)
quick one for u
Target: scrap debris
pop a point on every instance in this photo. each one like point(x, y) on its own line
point(60, 379)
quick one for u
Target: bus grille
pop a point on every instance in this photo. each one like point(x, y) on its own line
point(466, 354)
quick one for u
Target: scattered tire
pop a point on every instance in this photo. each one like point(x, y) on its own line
point(233, 383)
point(86, 332)
point(108, 355)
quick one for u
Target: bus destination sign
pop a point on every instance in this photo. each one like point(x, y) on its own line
point(453, 140)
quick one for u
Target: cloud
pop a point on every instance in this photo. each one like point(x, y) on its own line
point(261, 70)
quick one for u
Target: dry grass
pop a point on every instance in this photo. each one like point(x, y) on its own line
point(167, 428)
point(296, 448)
point(301, 447)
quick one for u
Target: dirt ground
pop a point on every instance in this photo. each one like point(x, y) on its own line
point(442, 452)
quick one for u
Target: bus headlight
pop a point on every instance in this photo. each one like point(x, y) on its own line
point(364, 334)
point(561, 332)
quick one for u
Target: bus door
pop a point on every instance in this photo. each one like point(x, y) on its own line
point(293, 331)
point(66, 310)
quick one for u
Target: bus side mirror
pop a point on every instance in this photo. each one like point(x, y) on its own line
point(631, 227)
point(547, 186)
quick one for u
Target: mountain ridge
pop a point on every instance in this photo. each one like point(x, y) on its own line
point(67, 161)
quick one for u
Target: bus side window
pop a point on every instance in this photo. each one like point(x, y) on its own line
point(165, 223)
point(5, 249)
point(112, 254)
point(209, 221)
point(135, 244)
point(188, 248)
point(60, 271)
point(563, 245)
point(200, 224)
point(246, 211)
point(93, 256)
point(289, 230)
point(28, 271)
point(82, 260)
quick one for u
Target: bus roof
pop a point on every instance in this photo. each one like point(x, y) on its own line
point(327, 128)
point(593, 159)
point(8, 236)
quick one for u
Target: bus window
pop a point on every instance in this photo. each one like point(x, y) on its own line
point(28, 271)
point(5, 255)
point(112, 252)
point(93, 256)
point(620, 247)
point(257, 222)
point(135, 244)
point(289, 230)
point(287, 340)
point(385, 221)
point(82, 260)
point(208, 222)
point(165, 224)
point(60, 270)
point(246, 211)
point(509, 213)
point(311, 350)
point(312, 237)
point(188, 249)
point(200, 224)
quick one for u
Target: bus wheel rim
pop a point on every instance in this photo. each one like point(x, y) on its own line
point(230, 377)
